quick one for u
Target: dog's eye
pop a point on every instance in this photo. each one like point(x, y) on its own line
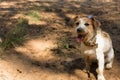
point(86, 24)
point(77, 23)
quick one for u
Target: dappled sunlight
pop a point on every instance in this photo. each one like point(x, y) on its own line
point(6, 4)
point(31, 20)
point(25, 71)
point(16, 16)
point(37, 49)
point(38, 22)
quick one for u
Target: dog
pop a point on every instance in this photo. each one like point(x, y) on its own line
point(95, 43)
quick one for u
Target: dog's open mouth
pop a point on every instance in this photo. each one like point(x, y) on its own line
point(80, 37)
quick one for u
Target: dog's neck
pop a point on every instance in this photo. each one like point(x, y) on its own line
point(92, 41)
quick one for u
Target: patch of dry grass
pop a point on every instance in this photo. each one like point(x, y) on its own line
point(34, 15)
point(16, 34)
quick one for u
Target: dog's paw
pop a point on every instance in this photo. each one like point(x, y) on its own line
point(108, 66)
point(86, 70)
point(100, 77)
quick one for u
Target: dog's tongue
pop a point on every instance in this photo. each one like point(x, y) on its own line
point(79, 38)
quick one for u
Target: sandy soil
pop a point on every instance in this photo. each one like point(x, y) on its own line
point(44, 56)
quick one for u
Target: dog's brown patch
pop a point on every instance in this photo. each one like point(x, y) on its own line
point(105, 35)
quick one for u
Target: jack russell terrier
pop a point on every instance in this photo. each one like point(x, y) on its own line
point(95, 44)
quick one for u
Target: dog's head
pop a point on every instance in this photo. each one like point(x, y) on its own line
point(86, 27)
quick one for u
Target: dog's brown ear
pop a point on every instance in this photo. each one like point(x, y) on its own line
point(73, 20)
point(96, 23)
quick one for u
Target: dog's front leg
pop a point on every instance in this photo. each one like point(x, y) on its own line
point(100, 58)
point(88, 63)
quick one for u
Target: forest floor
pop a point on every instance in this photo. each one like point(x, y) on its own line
point(49, 50)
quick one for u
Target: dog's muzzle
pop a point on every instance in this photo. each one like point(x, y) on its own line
point(80, 30)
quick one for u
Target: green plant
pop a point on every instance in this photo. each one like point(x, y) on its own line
point(34, 15)
point(63, 43)
point(16, 34)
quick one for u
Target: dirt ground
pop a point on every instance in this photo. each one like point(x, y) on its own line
point(45, 54)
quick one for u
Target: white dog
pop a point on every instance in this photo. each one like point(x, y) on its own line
point(95, 43)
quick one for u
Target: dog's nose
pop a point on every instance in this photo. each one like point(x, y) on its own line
point(79, 30)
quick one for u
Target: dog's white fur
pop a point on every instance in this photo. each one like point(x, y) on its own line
point(103, 53)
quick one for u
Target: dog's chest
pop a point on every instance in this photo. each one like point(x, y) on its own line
point(86, 50)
